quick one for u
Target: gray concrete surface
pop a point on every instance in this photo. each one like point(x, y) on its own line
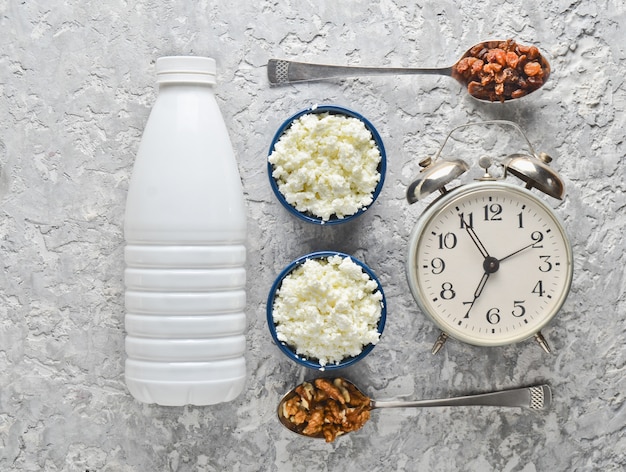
point(76, 87)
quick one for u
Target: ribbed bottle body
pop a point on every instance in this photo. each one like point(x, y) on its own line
point(185, 254)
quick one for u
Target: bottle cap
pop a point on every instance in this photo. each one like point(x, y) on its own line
point(185, 69)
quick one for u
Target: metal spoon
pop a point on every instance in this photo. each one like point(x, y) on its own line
point(500, 78)
point(537, 397)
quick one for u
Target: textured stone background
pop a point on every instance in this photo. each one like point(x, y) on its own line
point(76, 86)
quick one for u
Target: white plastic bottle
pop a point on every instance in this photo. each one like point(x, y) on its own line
point(185, 231)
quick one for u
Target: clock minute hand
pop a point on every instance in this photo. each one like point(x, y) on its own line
point(517, 252)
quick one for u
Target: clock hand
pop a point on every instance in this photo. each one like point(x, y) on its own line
point(476, 240)
point(479, 290)
point(490, 265)
point(517, 252)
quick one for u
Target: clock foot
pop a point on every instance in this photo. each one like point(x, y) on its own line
point(441, 340)
point(542, 342)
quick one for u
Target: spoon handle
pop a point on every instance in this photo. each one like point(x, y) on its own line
point(281, 72)
point(538, 397)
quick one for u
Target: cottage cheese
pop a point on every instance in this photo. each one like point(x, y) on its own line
point(328, 309)
point(326, 164)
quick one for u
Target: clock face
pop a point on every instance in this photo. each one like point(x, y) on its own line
point(490, 263)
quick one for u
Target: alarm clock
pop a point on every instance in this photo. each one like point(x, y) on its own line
point(489, 262)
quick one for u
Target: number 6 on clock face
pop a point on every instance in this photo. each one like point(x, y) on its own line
point(490, 263)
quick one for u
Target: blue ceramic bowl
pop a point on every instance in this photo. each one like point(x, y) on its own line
point(382, 166)
point(290, 351)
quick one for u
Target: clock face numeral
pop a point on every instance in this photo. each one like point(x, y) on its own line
point(493, 212)
point(538, 289)
point(493, 316)
point(537, 236)
point(438, 265)
point(447, 291)
point(491, 264)
point(447, 240)
point(518, 308)
point(466, 220)
point(545, 266)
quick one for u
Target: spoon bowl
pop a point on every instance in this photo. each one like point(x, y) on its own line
point(492, 71)
point(328, 408)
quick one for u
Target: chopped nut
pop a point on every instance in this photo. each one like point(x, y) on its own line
point(357, 398)
point(327, 408)
point(330, 390)
point(341, 385)
point(306, 394)
point(334, 413)
point(300, 417)
point(315, 422)
point(331, 432)
point(355, 418)
point(291, 407)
